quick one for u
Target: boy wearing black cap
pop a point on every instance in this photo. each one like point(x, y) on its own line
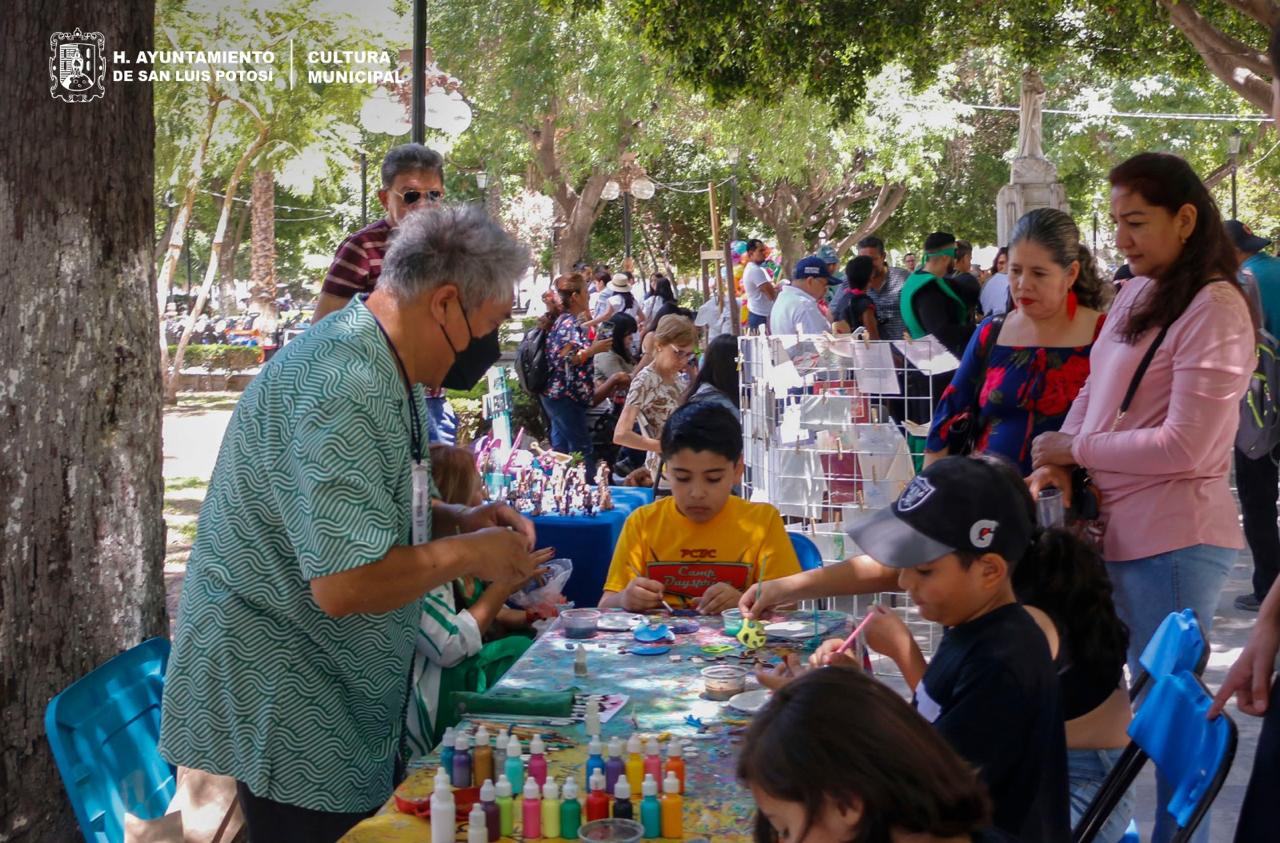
point(930, 304)
point(954, 536)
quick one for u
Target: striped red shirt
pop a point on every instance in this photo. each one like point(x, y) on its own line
point(358, 263)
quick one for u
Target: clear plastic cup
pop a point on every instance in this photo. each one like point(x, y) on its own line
point(615, 831)
point(1049, 509)
point(732, 621)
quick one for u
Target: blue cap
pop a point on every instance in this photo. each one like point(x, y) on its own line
point(812, 267)
point(828, 253)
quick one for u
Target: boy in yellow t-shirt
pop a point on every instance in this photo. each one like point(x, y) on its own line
point(703, 546)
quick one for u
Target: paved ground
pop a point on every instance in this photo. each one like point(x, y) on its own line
point(193, 433)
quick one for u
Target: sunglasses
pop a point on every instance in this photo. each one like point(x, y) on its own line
point(411, 197)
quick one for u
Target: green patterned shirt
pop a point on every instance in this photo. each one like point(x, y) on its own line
point(313, 478)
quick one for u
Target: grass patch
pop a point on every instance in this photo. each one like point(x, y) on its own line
point(177, 484)
point(187, 531)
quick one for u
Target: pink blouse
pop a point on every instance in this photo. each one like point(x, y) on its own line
point(1162, 474)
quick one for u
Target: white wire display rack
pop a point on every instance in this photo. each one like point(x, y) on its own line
point(834, 429)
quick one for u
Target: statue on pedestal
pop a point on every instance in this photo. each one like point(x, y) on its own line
point(1030, 111)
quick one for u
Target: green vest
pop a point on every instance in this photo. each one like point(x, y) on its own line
point(916, 282)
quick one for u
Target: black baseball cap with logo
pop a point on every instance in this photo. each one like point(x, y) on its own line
point(958, 504)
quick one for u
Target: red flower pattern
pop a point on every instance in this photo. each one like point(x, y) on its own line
point(1061, 386)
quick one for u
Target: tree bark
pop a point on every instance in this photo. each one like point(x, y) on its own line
point(82, 546)
point(230, 251)
point(262, 249)
point(888, 199)
point(1242, 68)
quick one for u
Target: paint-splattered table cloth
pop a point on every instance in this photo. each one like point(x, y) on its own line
point(663, 694)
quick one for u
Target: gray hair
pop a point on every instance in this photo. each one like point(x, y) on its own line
point(453, 244)
point(408, 157)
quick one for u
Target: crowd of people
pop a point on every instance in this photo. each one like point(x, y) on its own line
point(349, 574)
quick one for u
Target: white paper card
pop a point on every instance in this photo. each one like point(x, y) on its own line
point(928, 356)
point(875, 372)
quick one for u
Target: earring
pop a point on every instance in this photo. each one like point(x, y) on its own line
point(1073, 302)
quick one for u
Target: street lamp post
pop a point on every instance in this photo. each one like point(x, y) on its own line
point(630, 180)
point(1095, 235)
point(733, 202)
point(1233, 144)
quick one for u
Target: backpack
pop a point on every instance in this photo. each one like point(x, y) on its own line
point(1259, 431)
point(532, 368)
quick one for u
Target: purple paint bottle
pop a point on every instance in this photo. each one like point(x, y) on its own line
point(614, 766)
point(462, 761)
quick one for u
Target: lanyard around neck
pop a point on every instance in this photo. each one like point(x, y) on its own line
point(415, 427)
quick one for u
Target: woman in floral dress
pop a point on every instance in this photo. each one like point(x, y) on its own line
point(1023, 370)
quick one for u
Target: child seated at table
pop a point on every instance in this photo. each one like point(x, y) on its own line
point(702, 546)
point(835, 755)
point(955, 535)
point(457, 619)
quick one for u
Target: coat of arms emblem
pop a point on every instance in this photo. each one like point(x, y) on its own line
point(76, 68)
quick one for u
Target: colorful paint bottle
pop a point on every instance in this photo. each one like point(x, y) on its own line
point(551, 810)
point(570, 811)
point(531, 828)
point(538, 760)
point(622, 808)
point(653, 760)
point(443, 822)
point(591, 719)
point(482, 757)
point(500, 752)
point(461, 776)
point(675, 761)
point(614, 767)
point(515, 765)
point(477, 830)
point(650, 810)
point(506, 807)
point(446, 748)
point(492, 816)
point(594, 760)
point(635, 764)
point(597, 800)
point(672, 808)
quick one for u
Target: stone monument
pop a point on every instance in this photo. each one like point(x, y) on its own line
point(1033, 180)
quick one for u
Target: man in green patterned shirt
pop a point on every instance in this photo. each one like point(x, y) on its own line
point(290, 664)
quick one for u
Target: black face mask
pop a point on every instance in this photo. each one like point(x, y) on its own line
point(472, 362)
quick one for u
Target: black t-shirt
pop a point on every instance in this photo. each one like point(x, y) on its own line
point(967, 287)
point(992, 691)
point(851, 305)
point(936, 312)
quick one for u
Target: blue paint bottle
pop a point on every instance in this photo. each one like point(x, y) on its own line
point(446, 749)
point(594, 760)
point(651, 809)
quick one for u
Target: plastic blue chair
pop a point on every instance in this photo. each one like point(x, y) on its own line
point(807, 552)
point(1178, 644)
point(105, 732)
point(1191, 753)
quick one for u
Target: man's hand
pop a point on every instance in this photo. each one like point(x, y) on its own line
point(777, 677)
point(496, 515)
point(499, 555)
point(717, 598)
point(642, 595)
point(1250, 677)
point(1051, 477)
point(828, 655)
point(1052, 448)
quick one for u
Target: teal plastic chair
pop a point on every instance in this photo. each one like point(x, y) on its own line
point(1191, 753)
point(105, 732)
point(806, 551)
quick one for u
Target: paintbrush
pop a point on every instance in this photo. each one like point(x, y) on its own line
point(853, 636)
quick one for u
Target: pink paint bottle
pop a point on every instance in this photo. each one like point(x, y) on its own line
point(652, 760)
point(532, 811)
point(538, 760)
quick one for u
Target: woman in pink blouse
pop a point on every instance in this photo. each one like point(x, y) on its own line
point(1172, 532)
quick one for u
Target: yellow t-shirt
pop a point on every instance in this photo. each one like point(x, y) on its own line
point(687, 557)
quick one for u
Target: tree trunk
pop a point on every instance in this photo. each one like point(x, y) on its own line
point(262, 253)
point(887, 201)
point(1242, 68)
point(179, 231)
point(211, 272)
point(82, 547)
point(227, 303)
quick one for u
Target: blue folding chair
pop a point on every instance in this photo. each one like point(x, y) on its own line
point(1178, 644)
point(1191, 753)
point(105, 732)
point(807, 552)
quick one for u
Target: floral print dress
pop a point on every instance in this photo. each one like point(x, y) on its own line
point(1022, 391)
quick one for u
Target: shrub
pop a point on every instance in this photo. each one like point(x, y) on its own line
point(220, 358)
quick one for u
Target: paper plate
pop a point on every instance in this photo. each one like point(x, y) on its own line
point(749, 702)
point(619, 621)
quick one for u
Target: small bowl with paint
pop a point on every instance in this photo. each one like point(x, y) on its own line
point(580, 623)
point(613, 831)
point(732, 621)
point(722, 682)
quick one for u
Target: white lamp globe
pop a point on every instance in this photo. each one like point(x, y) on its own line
point(612, 190)
point(642, 188)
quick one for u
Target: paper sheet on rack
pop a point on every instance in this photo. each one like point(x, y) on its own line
point(928, 355)
point(875, 371)
point(784, 376)
point(791, 430)
point(797, 485)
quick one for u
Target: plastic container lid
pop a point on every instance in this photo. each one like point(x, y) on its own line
point(449, 735)
point(551, 790)
point(674, 749)
point(649, 787)
point(531, 789)
point(570, 788)
point(536, 746)
point(477, 825)
point(598, 781)
point(514, 750)
point(462, 742)
point(487, 791)
point(633, 745)
point(672, 784)
point(443, 787)
point(593, 746)
point(504, 787)
point(653, 748)
point(615, 747)
point(482, 736)
point(442, 774)
point(622, 790)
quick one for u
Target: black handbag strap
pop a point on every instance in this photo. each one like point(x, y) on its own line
point(1138, 374)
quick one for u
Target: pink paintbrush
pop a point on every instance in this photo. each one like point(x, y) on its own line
point(853, 636)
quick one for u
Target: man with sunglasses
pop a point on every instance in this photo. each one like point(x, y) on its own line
point(412, 178)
